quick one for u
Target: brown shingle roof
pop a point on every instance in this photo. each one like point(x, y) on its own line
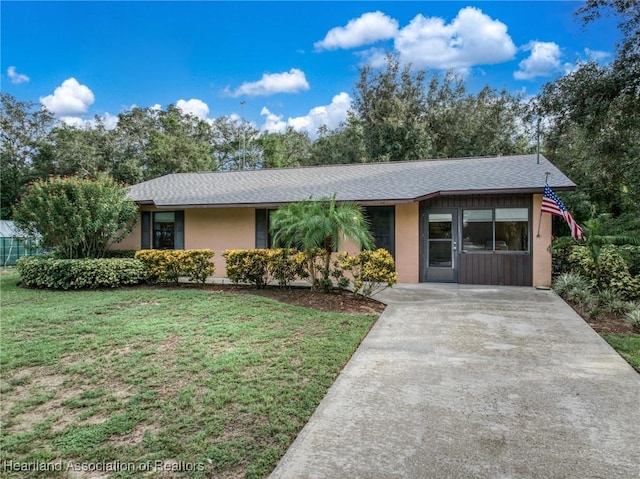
point(365, 183)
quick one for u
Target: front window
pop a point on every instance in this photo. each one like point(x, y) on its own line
point(512, 229)
point(499, 229)
point(164, 230)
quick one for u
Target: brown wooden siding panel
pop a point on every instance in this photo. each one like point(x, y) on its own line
point(499, 269)
point(489, 268)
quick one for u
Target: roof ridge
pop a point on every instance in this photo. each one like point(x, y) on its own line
point(338, 165)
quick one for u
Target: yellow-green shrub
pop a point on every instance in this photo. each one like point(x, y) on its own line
point(247, 266)
point(260, 266)
point(165, 266)
point(612, 271)
point(372, 271)
point(286, 265)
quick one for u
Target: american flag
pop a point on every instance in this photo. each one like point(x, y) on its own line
point(552, 204)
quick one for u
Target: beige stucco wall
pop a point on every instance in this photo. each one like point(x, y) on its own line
point(234, 228)
point(219, 229)
point(541, 255)
point(408, 242)
point(132, 240)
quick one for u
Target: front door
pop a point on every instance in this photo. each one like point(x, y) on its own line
point(440, 246)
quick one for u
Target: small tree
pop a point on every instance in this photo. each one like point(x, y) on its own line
point(76, 216)
point(316, 224)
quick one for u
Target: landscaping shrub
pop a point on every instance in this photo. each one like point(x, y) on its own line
point(633, 317)
point(247, 266)
point(575, 288)
point(51, 272)
point(372, 271)
point(260, 266)
point(631, 255)
point(286, 265)
point(76, 216)
point(560, 249)
point(611, 271)
point(611, 302)
point(164, 266)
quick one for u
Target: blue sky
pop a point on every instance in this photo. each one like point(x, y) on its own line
point(292, 63)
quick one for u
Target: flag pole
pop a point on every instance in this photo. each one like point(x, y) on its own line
point(546, 181)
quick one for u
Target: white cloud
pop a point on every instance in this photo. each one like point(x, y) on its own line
point(368, 28)
point(596, 55)
point(273, 123)
point(543, 61)
point(292, 81)
point(70, 98)
point(472, 38)
point(329, 115)
point(374, 57)
point(16, 77)
point(195, 107)
point(108, 120)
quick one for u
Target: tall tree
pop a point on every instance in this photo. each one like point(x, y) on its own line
point(593, 120)
point(235, 145)
point(344, 144)
point(24, 129)
point(282, 150)
point(391, 105)
point(462, 124)
point(181, 143)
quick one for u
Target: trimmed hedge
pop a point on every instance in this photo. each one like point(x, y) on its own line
point(55, 273)
point(261, 266)
point(372, 271)
point(164, 266)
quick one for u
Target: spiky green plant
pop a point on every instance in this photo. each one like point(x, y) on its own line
point(315, 224)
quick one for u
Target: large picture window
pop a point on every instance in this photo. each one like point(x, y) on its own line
point(498, 229)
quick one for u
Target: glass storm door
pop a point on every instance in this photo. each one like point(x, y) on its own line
point(441, 245)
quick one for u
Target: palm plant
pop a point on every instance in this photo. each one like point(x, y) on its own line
point(315, 225)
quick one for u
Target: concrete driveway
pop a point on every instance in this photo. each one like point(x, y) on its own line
point(475, 382)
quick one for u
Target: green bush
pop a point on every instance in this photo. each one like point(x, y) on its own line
point(261, 266)
point(48, 272)
point(372, 271)
point(631, 255)
point(164, 266)
point(611, 302)
point(611, 272)
point(560, 250)
point(633, 317)
point(76, 216)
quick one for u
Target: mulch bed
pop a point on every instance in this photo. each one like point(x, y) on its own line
point(340, 301)
point(607, 324)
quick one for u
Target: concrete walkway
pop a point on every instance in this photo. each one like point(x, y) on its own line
point(475, 382)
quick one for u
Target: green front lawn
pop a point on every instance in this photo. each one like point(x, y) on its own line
point(628, 346)
point(214, 383)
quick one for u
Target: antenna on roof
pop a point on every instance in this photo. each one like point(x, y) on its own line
point(538, 142)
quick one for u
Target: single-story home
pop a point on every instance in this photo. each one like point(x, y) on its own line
point(467, 220)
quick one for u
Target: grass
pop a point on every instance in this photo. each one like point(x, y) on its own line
point(214, 384)
point(628, 346)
